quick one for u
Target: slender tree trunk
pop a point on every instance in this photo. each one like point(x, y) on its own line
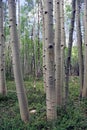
point(16, 63)
point(38, 56)
point(34, 40)
point(3, 90)
point(23, 54)
point(68, 60)
point(79, 42)
point(63, 42)
point(33, 51)
point(26, 57)
point(58, 53)
point(44, 48)
point(50, 73)
point(19, 23)
point(84, 92)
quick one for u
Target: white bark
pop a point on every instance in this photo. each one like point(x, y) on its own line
point(16, 63)
point(44, 48)
point(63, 42)
point(50, 73)
point(3, 90)
point(68, 60)
point(58, 53)
point(19, 24)
point(79, 43)
point(84, 93)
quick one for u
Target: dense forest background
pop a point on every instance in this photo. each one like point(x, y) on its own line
point(43, 65)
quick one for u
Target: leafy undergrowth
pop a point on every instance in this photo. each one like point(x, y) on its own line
point(73, 117)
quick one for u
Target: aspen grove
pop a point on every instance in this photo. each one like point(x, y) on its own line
point(43, 64)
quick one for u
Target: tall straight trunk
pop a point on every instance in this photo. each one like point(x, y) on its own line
point(62, 49)
point(84, 92)
point(16, 63)
point(58, 53)
point(44, 48)
point(34, 41)
point(33, 51)
point(68, 60)
point(2, 54)
point(19, 23)
point(79, 43)
point(23, 54)
point(38, 57)
point(50, 72)
point(26, 57)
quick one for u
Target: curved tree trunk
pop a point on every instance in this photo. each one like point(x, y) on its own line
point(16, 63)
point(3, 90)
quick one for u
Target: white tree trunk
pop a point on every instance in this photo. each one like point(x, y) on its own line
point(16, 63)
point(84, 93)
point(50, 73)
point(79, 43)
point(19, 24)
point(63, 42)
point(44, 48)
point(68, 60)
point(3, 90)
point(58, 53)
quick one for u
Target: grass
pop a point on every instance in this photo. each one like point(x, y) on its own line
point(74, 117)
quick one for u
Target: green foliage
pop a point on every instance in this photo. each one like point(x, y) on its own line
point(74, 66)
point(68, 8)
point(72, 117)
point(74, 56)
point(9, 109)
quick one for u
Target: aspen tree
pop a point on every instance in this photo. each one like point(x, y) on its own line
point(19, 23)
point(63, 42)
point(84, 92)
point(79, 43)
point(16, 63)
point(44, 48)
point(50, 73)
point(38, 57)
point(3, 90)
point(68, 60)
point(58, 53)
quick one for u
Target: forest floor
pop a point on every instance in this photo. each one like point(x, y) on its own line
point(74, 117)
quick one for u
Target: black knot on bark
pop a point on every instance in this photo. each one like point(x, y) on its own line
point(1, 69)
point(46, 12)
point(11, 19)
point(62, 45)
point(2, 35)
point(57, 2)
point(50, 2)
point(9, 26)
point(50, 46)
